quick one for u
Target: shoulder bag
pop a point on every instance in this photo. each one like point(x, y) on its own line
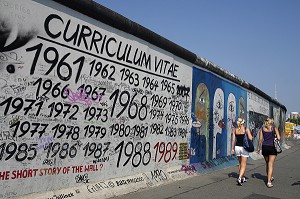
point(248, 144)
point(277, 143)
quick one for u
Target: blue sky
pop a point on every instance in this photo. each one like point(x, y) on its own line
point(257, 40)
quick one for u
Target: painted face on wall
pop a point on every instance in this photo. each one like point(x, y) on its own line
point(219, 124)
point(231, 117)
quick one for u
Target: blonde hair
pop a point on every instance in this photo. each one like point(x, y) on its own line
point(240, 122)
point(268, 122)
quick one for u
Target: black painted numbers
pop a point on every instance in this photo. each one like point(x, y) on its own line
point(57, 61)
point(82, 97)
point(138, 153)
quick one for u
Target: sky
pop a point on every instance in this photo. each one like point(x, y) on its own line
point(257, 40)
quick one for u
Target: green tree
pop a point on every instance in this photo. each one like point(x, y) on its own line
point(295, 121)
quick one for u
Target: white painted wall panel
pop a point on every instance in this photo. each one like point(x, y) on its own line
point(82, 102)
point(257, 104)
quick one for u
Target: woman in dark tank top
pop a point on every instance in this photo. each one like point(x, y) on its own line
point(237, 148)
point(266, 143)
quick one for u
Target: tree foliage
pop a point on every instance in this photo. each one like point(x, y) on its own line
point(295, 121)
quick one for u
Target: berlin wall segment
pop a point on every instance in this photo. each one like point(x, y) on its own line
point(81, 102)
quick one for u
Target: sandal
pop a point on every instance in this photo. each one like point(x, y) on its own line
point(269, 185)
point(272, 179)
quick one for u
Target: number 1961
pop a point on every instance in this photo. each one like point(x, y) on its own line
point(51, 56)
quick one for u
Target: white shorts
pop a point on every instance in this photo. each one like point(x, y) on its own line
point(240, 151)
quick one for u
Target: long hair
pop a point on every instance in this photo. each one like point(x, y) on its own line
point(268, 122)
point(240, 122)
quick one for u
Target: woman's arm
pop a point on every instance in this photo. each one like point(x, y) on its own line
point(259, 140)
point(233, 141)
point(249, 134)
point(277, 133)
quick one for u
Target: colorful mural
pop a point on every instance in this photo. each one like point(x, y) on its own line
point(231, 118)
point(202, 119)
point(223, 112)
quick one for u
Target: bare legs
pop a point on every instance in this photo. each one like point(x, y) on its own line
point(242, 166)
point(270, 166)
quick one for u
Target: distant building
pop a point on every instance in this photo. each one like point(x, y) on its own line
point(294, 115)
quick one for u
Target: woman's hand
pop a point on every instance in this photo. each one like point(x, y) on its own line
point(232, 151)
point(258, 151)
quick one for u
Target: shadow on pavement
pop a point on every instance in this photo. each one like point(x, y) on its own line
point(233, 175)
point(259, 176)
point(296, 183)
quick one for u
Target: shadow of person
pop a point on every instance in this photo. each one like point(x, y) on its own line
point(233, 175)
point(296, 183)
point(259, 176)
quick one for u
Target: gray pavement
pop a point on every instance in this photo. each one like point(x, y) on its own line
point(222, 183)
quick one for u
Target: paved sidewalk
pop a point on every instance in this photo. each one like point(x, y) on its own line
point(222, 184)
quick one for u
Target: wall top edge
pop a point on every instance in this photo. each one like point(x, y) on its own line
point(105, 15)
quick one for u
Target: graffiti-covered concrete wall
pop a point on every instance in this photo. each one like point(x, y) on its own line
point(92, 104)
point(82, 102)
point(216, 104)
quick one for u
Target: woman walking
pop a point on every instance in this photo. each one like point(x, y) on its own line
point(237, 148)
point(266, 141)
